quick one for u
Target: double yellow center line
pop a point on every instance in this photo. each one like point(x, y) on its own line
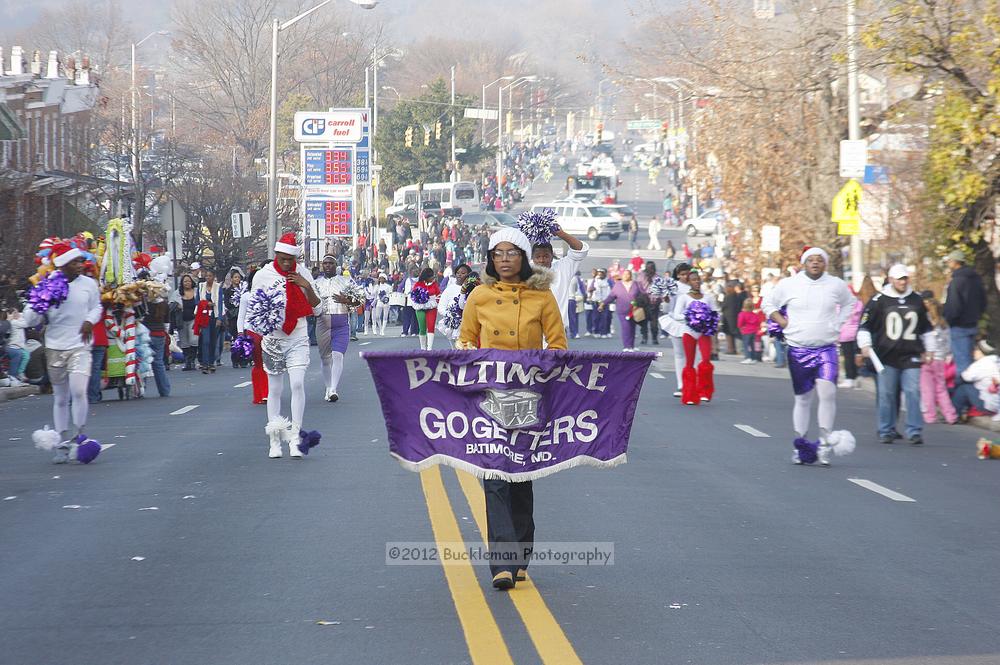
point(482, 634)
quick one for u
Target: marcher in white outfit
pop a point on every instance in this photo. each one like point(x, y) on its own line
point(681, 273)
point(452, 294)
point(68, 338)
point(333, 328)
point(654, 234)
point(817, 305)
point(382, 291)
point(564, 269)
point(285, 349)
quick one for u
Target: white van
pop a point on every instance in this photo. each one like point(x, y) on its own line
point(586, 219)
point(450, 194)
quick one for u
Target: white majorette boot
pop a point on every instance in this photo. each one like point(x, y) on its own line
point(276, 430)
point(423, 342)
point(430, 340)
point(292, 439)
point(824, 450)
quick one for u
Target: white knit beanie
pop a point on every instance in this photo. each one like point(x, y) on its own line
point(514, 237)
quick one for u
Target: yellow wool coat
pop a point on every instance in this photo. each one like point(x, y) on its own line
point(513, 316)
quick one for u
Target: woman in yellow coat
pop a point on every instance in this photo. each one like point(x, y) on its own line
point(513, 309)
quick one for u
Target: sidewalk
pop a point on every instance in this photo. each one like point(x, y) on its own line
point(7, 394)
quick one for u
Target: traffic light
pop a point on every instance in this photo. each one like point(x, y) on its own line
point(437, 130)
point(408, 142)
point(427, 135)
point(599, 136)
point(664, 130)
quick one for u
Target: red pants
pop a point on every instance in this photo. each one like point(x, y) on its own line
point(257, 375)
point(697, 386)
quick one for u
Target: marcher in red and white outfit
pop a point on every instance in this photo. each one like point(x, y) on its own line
point(285, 350)
point(68, 337)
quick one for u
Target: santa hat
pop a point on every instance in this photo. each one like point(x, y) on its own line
point(288, 244)
point(63, 253)
point(808, 251)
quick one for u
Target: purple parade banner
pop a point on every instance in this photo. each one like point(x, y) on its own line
point(512, 415)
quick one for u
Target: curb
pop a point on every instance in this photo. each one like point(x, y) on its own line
point(7, 394)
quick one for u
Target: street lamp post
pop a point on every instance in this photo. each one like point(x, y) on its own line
point(272, 154)
point(136, 162)
point(518, 81)
point(485, 86)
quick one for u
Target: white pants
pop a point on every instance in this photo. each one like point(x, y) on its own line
point(381, 318)
point(654, 241)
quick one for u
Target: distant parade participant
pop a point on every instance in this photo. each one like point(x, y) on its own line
point(424, 300)
point(333, 331)
point(450, 298)
point(681, 273)
point(514, 309)
point(258, 377)
point(69, 307)
point(895, 328)
point(283, 297)
point(817, 306)
point(565, 268)
point(382, 308)
point(691, 316)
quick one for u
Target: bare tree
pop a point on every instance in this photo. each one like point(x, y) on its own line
point(94, 28)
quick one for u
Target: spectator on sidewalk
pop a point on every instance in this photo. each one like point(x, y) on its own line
point(933, 385)
point(849, 334)
point(895, 328)
point(979, 392)
point(964, 305)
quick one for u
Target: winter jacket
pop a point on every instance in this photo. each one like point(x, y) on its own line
point(513, 316)
point(966, 299)
point(849, 331)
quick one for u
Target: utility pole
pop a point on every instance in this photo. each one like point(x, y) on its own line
point(854, 126)
point(454, 164)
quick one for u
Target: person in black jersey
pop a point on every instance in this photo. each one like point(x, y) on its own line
point(896, 329)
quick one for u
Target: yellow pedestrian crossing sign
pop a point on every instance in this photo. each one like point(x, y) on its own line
point(846, 209)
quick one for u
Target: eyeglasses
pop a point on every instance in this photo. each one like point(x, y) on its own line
point(508, 253)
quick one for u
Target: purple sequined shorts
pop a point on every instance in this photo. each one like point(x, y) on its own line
point(806, 364)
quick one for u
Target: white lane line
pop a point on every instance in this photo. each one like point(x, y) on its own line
point(184, 409)
point(884, 491)
point(244, 384)
point(656, 375)
point(753, 431)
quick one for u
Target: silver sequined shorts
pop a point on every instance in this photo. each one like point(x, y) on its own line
point(61, 364)
point(281, 353)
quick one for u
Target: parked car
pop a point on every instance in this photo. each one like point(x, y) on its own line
point(432, 211)
point(493, 219)
point(705, 224)
point(587, 219)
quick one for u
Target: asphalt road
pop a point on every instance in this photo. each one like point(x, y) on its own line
point(184, 543)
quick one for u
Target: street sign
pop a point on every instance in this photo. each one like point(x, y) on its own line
point(481, 114)
point(644, 124)
point(172, 216)
point(876, 175)
point(853, 158)
point(846, 209)
point(241, 225)
point(328, 166)
point(770, 238)
point(336, 215)
point(175, 244)
point(341, 126)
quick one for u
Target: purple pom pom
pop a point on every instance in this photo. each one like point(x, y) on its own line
point(385, 298)
point(808, 450)
point(50, 292)
point(242, 347)
point(701, 318)
point(539, 226)
point(453, 316)
point(266, 310)
point(420, 295)
point(308, 440)
point(773, 329)
point(234, 299)
point(87, 450)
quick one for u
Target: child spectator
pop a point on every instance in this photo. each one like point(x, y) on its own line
point(749, 322)
point(933, 385)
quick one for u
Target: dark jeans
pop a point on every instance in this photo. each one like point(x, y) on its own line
point(208, 341)
point(574, 319)
point(751, 346)
point(849, 351)
point(652, 323)
point(97, 354)
point(510, 523)
point(409, 317)
point(156, 345)
point(964, 396)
